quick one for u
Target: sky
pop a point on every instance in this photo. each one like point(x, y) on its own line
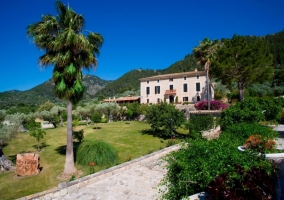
point(147, 34)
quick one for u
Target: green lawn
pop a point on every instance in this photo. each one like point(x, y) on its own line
point(126, 137)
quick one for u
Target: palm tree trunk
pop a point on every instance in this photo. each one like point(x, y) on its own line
point(69, 167)
point(208, 92)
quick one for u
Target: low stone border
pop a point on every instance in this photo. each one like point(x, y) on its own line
point(73, 186)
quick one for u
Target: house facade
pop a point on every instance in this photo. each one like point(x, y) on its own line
point(174, 88)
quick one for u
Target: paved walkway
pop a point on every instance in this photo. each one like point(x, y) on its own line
point(138, 182)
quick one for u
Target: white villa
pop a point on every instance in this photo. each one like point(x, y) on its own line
point(174, 88)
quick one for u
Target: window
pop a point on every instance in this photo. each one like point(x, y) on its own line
point(157, 89)
point(171, 87)
point(197, 76)
point(185, 87)
point(147, 100)
point(147, 82)
point(197, 87)
point(185, 99)
point(158, 100)
point(148, 90)
point(171, 79)
point(184, 78)
point(158, 80)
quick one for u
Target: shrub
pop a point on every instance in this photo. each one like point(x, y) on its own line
point(254, 183)
point(199, 123)
point(248, 111)
point(244, 130)
point(98, 152)
point(214, 105)
point(252, 110)
point(164, 117)
point(258, 143)
point(193, 167)
point(271, 108)
point(78, 135)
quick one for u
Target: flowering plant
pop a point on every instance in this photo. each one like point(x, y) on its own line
point(258, 143)
point(214, 105)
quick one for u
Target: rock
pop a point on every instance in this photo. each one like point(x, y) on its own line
point(6, 164)
point(27, 164)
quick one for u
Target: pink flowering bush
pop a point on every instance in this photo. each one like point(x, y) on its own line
point(214, 105)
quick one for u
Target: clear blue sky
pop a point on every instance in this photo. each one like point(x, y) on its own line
point(137, 34)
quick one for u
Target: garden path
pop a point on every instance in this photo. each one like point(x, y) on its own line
point(137, 182)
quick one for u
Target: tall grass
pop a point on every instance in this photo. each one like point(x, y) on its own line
point(98, 151)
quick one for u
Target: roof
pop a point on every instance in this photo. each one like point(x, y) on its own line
point(130, 98)
point(174, 75)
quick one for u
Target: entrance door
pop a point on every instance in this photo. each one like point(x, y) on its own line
point(172, 98)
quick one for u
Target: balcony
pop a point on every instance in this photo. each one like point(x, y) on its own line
point(170, 92)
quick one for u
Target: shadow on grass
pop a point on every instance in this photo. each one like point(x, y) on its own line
point(98, 127)
point(62, 149)
point(157, 133)
point(161, 134)
point(43, 145)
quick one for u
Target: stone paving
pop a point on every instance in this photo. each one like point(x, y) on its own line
point(137, 182)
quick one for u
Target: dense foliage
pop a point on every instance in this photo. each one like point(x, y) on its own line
point(252, 110)
point(242, 184)
point(242, 60)
point(99, 152)
point(163, 118)
point(198, 123)
point(191, 169)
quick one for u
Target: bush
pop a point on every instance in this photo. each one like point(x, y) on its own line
point(244, 130)
point(99, 152)
point(254, 183)
point(164, 117)
point(248, 111)
point(199, 123)
point(214, 105)
point(78, 135)
point(258, 143)
point(192, 168)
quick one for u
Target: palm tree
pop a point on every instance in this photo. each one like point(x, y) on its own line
point(69, 51)
point(204, 54)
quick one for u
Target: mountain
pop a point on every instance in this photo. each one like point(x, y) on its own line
point(45, 92)
point(96, 87)
point(130, 80)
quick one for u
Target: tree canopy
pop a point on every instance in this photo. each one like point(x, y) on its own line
point(242, 60)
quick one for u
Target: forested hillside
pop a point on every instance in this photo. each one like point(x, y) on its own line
point(45, 92)
point(129, 81)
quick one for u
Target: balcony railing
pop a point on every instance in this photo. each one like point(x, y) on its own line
point(170, 92)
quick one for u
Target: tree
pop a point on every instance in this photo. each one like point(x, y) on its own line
point(96, 118)
point(110, 109)
point(163, 118)
point(204, 54)
point(10, 129)
point(242, 60)
point(69, 51)
point(46, 106)
point(58, 110)
point(38, 134)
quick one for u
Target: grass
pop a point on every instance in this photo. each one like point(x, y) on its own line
point(126, 137)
